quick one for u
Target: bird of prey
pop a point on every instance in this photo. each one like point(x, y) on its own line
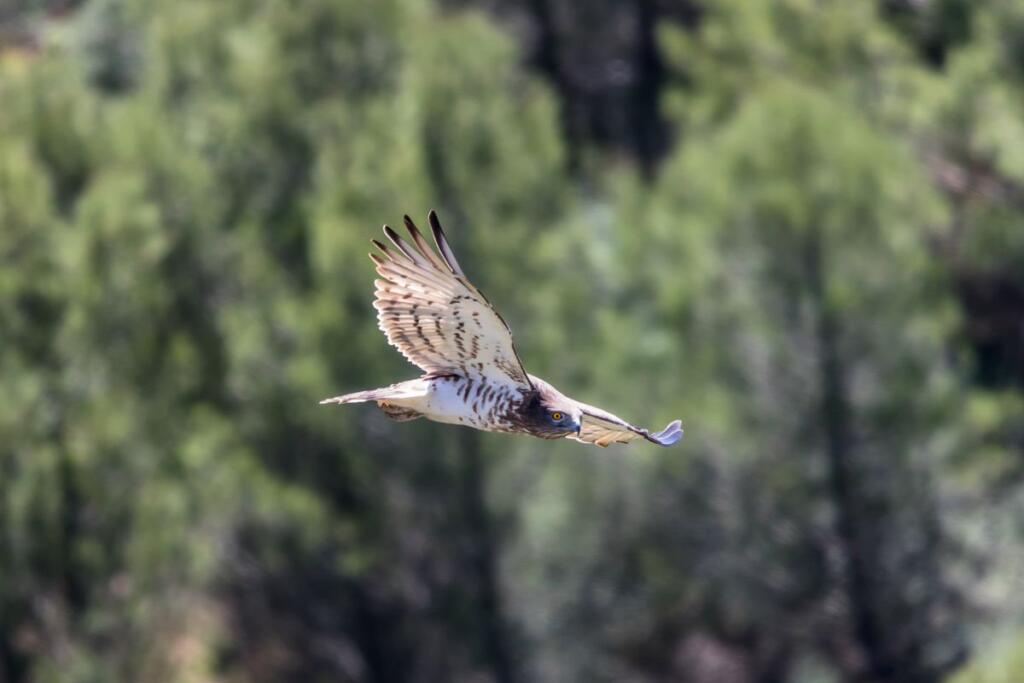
point(430, 312)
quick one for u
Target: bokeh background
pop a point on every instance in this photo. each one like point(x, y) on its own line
point(798, 225)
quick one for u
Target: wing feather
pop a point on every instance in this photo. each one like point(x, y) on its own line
point(434, 316)
point(602, 428)
point(421, 244)
point(410, 252)
point(442, 244)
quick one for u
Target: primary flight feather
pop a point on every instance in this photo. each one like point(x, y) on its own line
point(437, 319)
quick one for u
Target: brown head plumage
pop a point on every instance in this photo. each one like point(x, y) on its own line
point(547, 413)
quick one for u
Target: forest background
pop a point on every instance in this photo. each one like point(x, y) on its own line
point(795, 224)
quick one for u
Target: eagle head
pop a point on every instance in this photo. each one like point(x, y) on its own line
point(548, 413)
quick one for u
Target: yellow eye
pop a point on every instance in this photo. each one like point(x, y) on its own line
point(556, 416)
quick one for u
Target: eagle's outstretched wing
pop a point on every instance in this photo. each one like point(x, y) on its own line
point(603, 429)
point(435, 317)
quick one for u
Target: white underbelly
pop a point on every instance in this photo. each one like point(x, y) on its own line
point(461, 401)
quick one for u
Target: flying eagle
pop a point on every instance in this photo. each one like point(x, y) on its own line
point(441, 323)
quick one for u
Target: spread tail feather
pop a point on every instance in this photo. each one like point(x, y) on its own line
point(413, 388)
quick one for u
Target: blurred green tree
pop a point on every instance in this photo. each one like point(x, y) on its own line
point(822, 279)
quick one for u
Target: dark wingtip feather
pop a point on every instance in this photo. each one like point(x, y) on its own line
point(403, 247)
point(421, 244)
point(410, 226)
point(435, 222)
point(393, 238)
point(442, 244)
